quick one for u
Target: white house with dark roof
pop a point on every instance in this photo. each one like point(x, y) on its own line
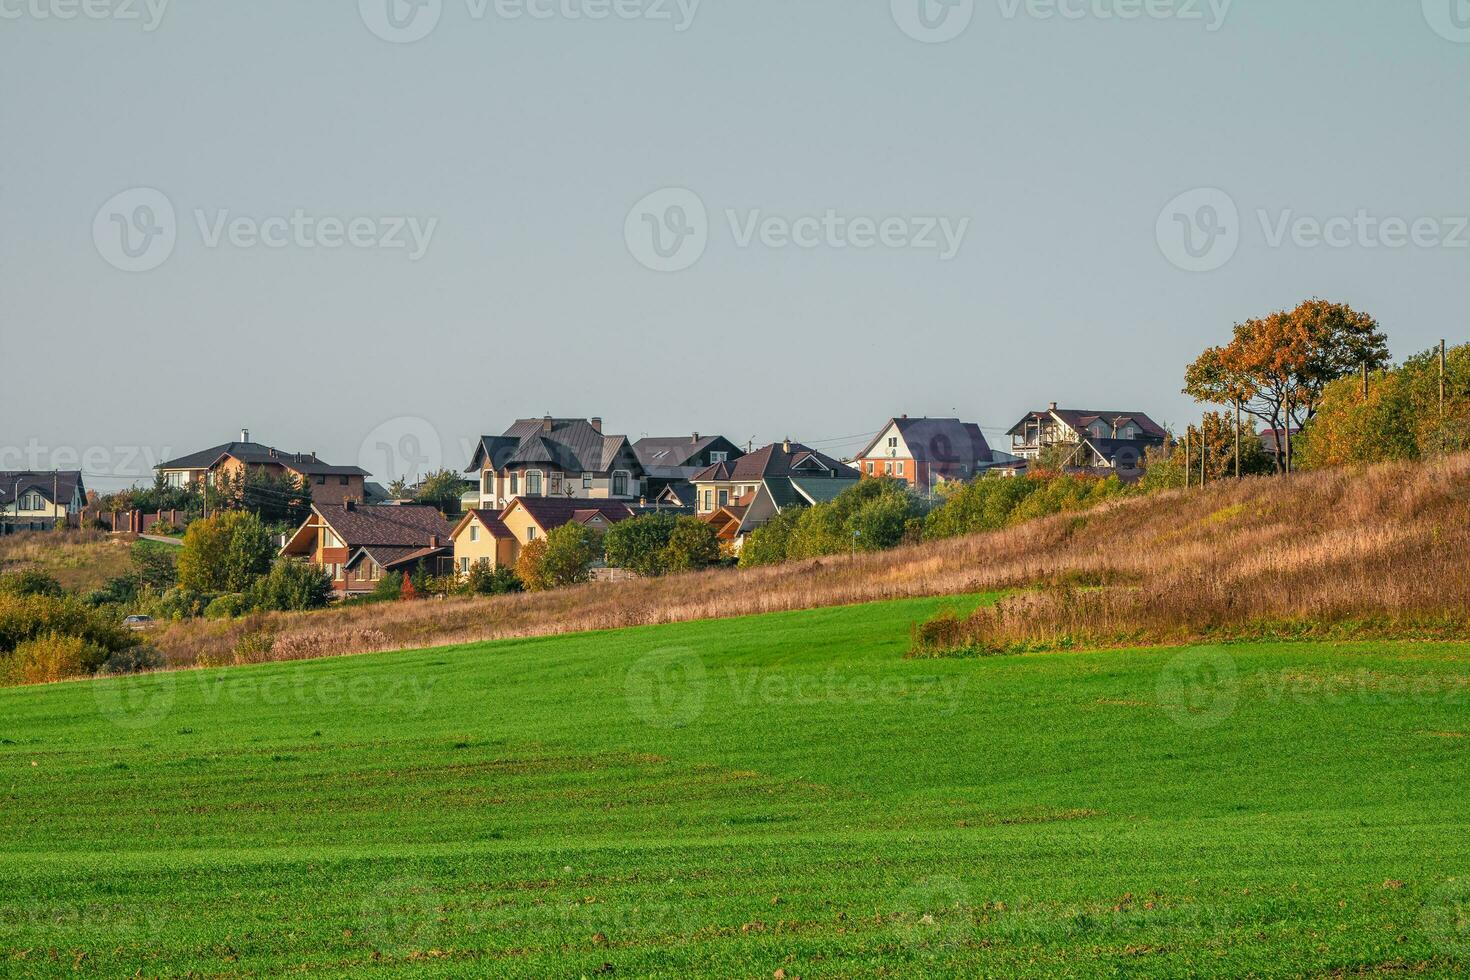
point(552, 457)
point(1114, 441)
point(33, 501)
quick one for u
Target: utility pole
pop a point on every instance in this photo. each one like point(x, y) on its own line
point(1365, 381)
point(1237, 439)
point(1187, 433)
point(1441, 378)
point(1204, 449)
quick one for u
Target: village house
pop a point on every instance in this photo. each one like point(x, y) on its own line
point(329, 484)
point(670, 461)
point(925, 452)
point(1115, 441)
point(725, 483)
point(497, 537)
point(551, 457)
point(32, 501)
point(358, 544)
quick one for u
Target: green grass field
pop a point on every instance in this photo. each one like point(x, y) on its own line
point(736, 798)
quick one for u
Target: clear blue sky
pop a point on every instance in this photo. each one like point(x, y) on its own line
point(528, 141)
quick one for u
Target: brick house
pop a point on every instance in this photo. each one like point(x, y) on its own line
point(555, 458)
point(329, 484)
point(358, 544)
point(924, 452)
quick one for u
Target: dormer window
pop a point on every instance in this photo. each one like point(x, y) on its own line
point(620, 483)
point(32, 501)
point(718, 458)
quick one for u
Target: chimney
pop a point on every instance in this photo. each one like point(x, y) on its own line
point(433, 541)
point(546, 424)
point(596, 424)
point(696, 437)
point(244, 435)
point(1052, 407)
point(786, 444)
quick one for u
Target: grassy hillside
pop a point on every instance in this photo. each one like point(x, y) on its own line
point(79, 560)
point(736, 798)
point(1381, 546)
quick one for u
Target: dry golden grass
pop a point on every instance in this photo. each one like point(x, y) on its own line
point(79, 560)
point(1381, 547)
point(1361, 552)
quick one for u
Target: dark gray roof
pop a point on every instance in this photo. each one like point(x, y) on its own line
point(66, 483)
point(258, 454)
point(949, 446)
point(1080, 419)
point(777, 459)
point(570, 445)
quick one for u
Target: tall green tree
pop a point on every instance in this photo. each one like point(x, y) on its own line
point(225, 553)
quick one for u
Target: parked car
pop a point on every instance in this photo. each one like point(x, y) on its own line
point(138, 622)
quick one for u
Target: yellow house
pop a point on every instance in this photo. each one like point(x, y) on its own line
point(481, 536)
point(32, 501)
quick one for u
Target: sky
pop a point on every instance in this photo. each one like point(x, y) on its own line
point(376, 229)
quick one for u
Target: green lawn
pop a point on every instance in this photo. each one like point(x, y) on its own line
point(738, 797)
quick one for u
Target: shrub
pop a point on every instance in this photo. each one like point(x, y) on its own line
point(51, 658)
point(155, 565)
point(767, 544)
point(27, 618)
point(30, 583)
point(227, 606)
point(291, 586)
point(483, 580)
point(692, 545)
point(640, 545)
point(133, 661)
point(529, 566)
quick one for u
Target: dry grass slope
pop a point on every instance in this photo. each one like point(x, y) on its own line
point(1378, 548)
point(81, 560)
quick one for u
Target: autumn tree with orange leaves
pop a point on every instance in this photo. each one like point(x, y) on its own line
point(1276, 368)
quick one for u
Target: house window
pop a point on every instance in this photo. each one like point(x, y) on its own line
point(31, 501)
point(887, 469)
point(474, 532)
point(489, 483)
point(533, 483)
point(709, 500)
point(464, 566)
point(515, 484)
point(377, 572)
point(342, 480)
point(724, 497)
point(900, 467)
point(872, 468)
point(531, 533)
point(555, 482)
point(586, 481)
point(718, 458)
point(321, 481)
point(620, 484)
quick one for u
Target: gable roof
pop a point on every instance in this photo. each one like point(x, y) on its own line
point(680, 457)
point(570, 445)
point(941, 442)
point(401, 525)
point(551, 513)
point(1080, 419)
point(258, 454)
point(776, 460)
point(489, 519)
point(67, 484)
